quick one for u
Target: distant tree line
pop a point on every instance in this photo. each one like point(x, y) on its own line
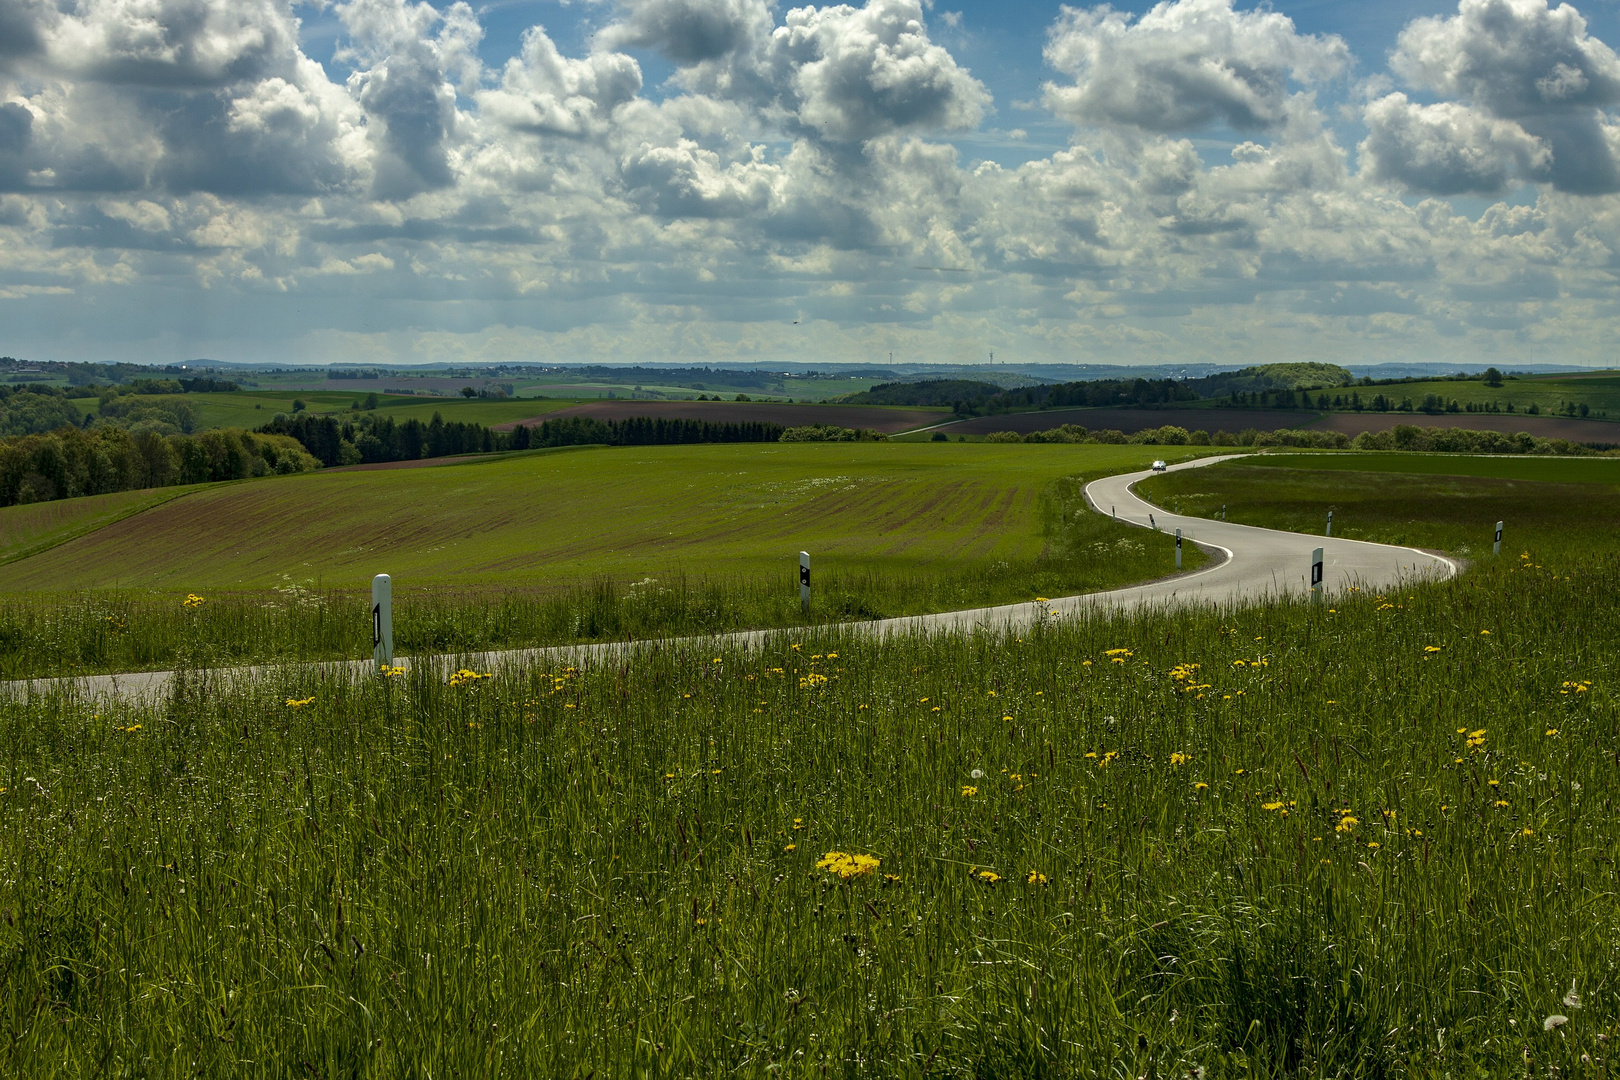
point(831, 433)
point(71, 461)
point(1174, 435)
point(354, 440)
point(1400, 437)
point(640, 431)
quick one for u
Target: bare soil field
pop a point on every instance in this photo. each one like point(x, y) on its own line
point(1133, 420)
point(886, 420)
point(1601, 432)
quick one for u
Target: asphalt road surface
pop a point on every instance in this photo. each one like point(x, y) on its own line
point(1251, 564)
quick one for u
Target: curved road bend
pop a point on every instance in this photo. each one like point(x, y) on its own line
point(1256, 563)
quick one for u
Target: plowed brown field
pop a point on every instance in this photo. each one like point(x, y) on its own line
point(1133, 420)
point(886, 420)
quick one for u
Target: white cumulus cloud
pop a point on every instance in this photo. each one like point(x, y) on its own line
point(1184, 65)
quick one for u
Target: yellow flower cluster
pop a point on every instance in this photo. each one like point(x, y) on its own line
point(811, 681)
point(1576, 687)
point(391, 671)
point(299, 703)
point(192, 600)
point(1475, 739)
point(463, 676)
point(1035, 878)
point(848, 866)
point(969, 791)
point(1185, 677)
point(1347, 821)
point(1119, 656)
point(1279, 806)
point(1180, 758)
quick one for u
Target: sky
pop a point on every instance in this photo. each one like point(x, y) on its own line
point(699, 181)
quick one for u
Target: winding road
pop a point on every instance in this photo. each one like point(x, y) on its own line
point(1251, 564)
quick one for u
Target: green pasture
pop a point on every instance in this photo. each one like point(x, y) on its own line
point(624, 512)
point(1442, 501)
point(250, 409)
point(1599, 392)
point(1371, 841)
point(578, 545)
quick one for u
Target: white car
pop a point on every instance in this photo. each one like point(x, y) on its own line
point(1159, 466)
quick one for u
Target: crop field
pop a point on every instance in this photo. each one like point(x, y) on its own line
point(1599, 391)
point(1133, 420)
point(1440, 501)
point(1373, 840)
point(35, 527)
point(249, 408)
point(586, 544)
point(874, 417)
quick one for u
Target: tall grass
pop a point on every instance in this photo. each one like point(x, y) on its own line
point(1375, 837)
point(128, 631)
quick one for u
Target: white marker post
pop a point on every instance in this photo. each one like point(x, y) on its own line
point(1153, 523)
point(1330, 523)
point(804, 582)
point(382, 620)
point(1223, 511)
point(1496, 548)
point(1178, 549)
point(1316, 573)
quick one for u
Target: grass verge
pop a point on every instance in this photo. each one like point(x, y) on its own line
point(1437, 501)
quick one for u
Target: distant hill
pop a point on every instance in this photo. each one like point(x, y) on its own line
point(1296, 376)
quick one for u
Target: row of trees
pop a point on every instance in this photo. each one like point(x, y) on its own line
point(367, 438)
point(639, 431)
point(1400, 437)
point(73, 461)
point(357, 439)
point(1465, 441)
point(1173, 435)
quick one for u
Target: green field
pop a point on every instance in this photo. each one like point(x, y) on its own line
point(37, 527)
point(1371, 841)
point(1442, 501)
point(251, 409)
point(623, 512)
point(1599, 392)
point(579, 545)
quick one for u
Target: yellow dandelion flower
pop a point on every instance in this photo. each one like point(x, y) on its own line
point(791, 847)
point(969, 791)
point(299, 703)
point(989, 877)
point(847, 866)
point(1035, 878)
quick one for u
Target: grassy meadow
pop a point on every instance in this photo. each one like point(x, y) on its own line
point(1444, 501)
point(579, 545)
point(253, 408)
point(1598, 391)
point(1372, 840)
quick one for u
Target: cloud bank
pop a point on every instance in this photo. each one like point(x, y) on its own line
point(184, 177)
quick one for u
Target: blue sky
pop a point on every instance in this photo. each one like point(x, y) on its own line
point(387, 181)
